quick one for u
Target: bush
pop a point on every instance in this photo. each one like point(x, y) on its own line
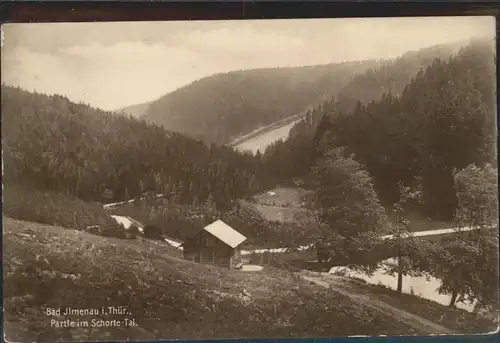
point(152, 231)
point(113, 230)
point(132, 232)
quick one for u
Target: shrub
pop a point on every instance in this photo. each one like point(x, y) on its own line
point(152, 231)
point(114, 230)
point(132, 232)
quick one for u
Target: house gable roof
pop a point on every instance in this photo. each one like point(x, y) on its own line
point(225, 233)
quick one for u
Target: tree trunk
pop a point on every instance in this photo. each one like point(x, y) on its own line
point(400, 283)
point(400, 274)
point(453, 299)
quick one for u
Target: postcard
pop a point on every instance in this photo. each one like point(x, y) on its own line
point(249, 178)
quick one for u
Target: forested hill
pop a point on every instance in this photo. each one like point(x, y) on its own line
point(221, 107)
point(392, 76)
point(134, 110)
point(291, 158)
point(51, 142)
point(444, 120)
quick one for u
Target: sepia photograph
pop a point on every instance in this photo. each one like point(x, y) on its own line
point(245, 179)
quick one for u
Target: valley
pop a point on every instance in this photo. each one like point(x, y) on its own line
point(238, 102)
point(281, 202)
point(285, 204)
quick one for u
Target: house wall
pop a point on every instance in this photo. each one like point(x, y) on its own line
point(207, 249)
point(237, 256)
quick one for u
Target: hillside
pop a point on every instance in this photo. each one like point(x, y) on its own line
point(392, 77)
point(384, 77)
point(221, 107)
point(443, 120)
point(135, 110)
point(237, 103)
point(292, 158)
point(167, 296)
point(52, 143)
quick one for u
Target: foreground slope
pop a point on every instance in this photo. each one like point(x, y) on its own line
point(48, 266)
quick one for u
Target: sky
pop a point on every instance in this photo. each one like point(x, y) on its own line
point(116, 64)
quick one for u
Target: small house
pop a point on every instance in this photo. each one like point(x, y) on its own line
point(217, 244)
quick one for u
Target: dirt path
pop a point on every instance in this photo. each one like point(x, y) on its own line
point(418, 323)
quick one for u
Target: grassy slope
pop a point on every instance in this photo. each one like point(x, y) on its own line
point(286, 205)
point(169, 297)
